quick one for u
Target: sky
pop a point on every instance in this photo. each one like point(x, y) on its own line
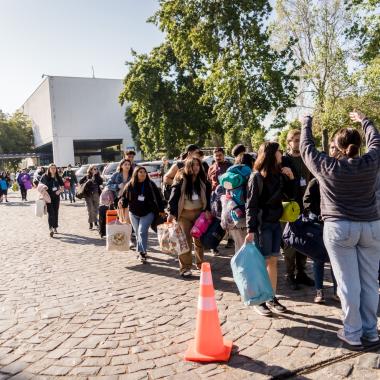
point(66, 38)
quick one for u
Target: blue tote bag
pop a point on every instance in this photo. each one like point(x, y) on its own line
point(251, 276)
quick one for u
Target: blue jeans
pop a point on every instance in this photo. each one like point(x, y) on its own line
point(354, 250)
point(269, 239)
point(141, 226)
point(319, 271)
point(71, 192)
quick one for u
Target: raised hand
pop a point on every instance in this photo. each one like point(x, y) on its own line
point(357, 116)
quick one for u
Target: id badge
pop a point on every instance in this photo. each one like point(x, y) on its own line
point(195, 197)
point(141, 198)
point(302, 182)
point(54, 189)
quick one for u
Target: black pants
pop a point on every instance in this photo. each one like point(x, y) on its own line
point(23, 192)
point(52, 209)
point(294, 260)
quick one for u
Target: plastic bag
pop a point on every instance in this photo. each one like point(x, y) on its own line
point(226, 218)
point(118, 236)
point(251, 276)
point(40, 208)
point(201, 225)
point(15, 187)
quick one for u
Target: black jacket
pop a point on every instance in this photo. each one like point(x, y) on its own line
point(312, 198)
point(52, 182)
point(152, 199)
point(176, 195)
point(93, 185)
point(264, 198)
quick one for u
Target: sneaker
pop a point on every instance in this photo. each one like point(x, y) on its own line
point(275, 306)
point(291, 282)
point(263, 309)
point(355, 345)
point(215, 252)
point(142, 257)
point(51, 233)
point(55, 231)
point(91, 225)
point(230, 243)
point(303, 278)
point(319, 297)
point(186, 274)
point(96, 224)
point(370, 341)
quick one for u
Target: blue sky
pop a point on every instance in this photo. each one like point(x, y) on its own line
point(67, 37)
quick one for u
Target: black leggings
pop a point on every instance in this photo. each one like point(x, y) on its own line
point(52, 209)
point(23, 192)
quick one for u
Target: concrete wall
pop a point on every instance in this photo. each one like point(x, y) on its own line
point(64, 109)
point(38, 108)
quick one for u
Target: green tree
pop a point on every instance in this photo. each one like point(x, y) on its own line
point(366, 27)
point(227, 45)
point(163, 107)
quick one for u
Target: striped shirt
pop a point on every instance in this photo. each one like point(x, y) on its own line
point(347, 186)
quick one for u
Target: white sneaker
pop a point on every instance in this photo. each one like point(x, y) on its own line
point(353, 343)
point(186, 273)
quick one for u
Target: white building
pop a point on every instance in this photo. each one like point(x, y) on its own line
point(78, 120)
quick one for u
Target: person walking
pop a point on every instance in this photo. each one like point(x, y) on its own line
point(25, 183)
point(70, 175)
point(142, 200)
point(190, 196)
point(351, 223)
point(120, 178)
point(93, 182)
point(54, 183)
point(267, 187)
point(295, 261)
point(164, 168)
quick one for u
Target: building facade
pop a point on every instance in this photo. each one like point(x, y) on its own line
point(78, 120)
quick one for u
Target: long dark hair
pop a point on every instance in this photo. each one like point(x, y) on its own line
point(187, 174)
point(266, 162)
point(348, 142)
point(48, 172)
point(120, 166)
point(134, 179)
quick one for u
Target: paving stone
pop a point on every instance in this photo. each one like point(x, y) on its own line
point(15, 367)
point(56, 371)
point(84, 371)
point(113, 370)
point(160, 373)
point(142, 365)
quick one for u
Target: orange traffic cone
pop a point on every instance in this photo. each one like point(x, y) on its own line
point(209, 345)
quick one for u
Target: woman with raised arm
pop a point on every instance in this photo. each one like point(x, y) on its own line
point(351, 222)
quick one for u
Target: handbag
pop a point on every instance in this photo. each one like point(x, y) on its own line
point(251, 276)
point(306, 236)
point(81, 190)
point(164, 238)
point(291, 211)
point(118, 236)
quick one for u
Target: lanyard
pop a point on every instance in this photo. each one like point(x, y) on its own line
point(142, 188)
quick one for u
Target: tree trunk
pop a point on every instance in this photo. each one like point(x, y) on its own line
point(325, 140)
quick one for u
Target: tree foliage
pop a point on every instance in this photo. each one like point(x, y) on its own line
point(216, 75)
point(16, 134)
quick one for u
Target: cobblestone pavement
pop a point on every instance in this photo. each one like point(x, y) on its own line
point(70, 309)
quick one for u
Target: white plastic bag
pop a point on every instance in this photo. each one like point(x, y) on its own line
point(163, 236)
point(40, 208)
point(118, 236)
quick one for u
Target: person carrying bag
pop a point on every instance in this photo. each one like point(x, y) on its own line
point(142, 201)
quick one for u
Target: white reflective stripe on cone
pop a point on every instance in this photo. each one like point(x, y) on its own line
point(206, 278)
point(206, 303)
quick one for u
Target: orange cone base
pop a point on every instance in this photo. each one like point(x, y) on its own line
point(193, 356)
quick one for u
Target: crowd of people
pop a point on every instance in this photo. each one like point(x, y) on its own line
point(336, 189)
